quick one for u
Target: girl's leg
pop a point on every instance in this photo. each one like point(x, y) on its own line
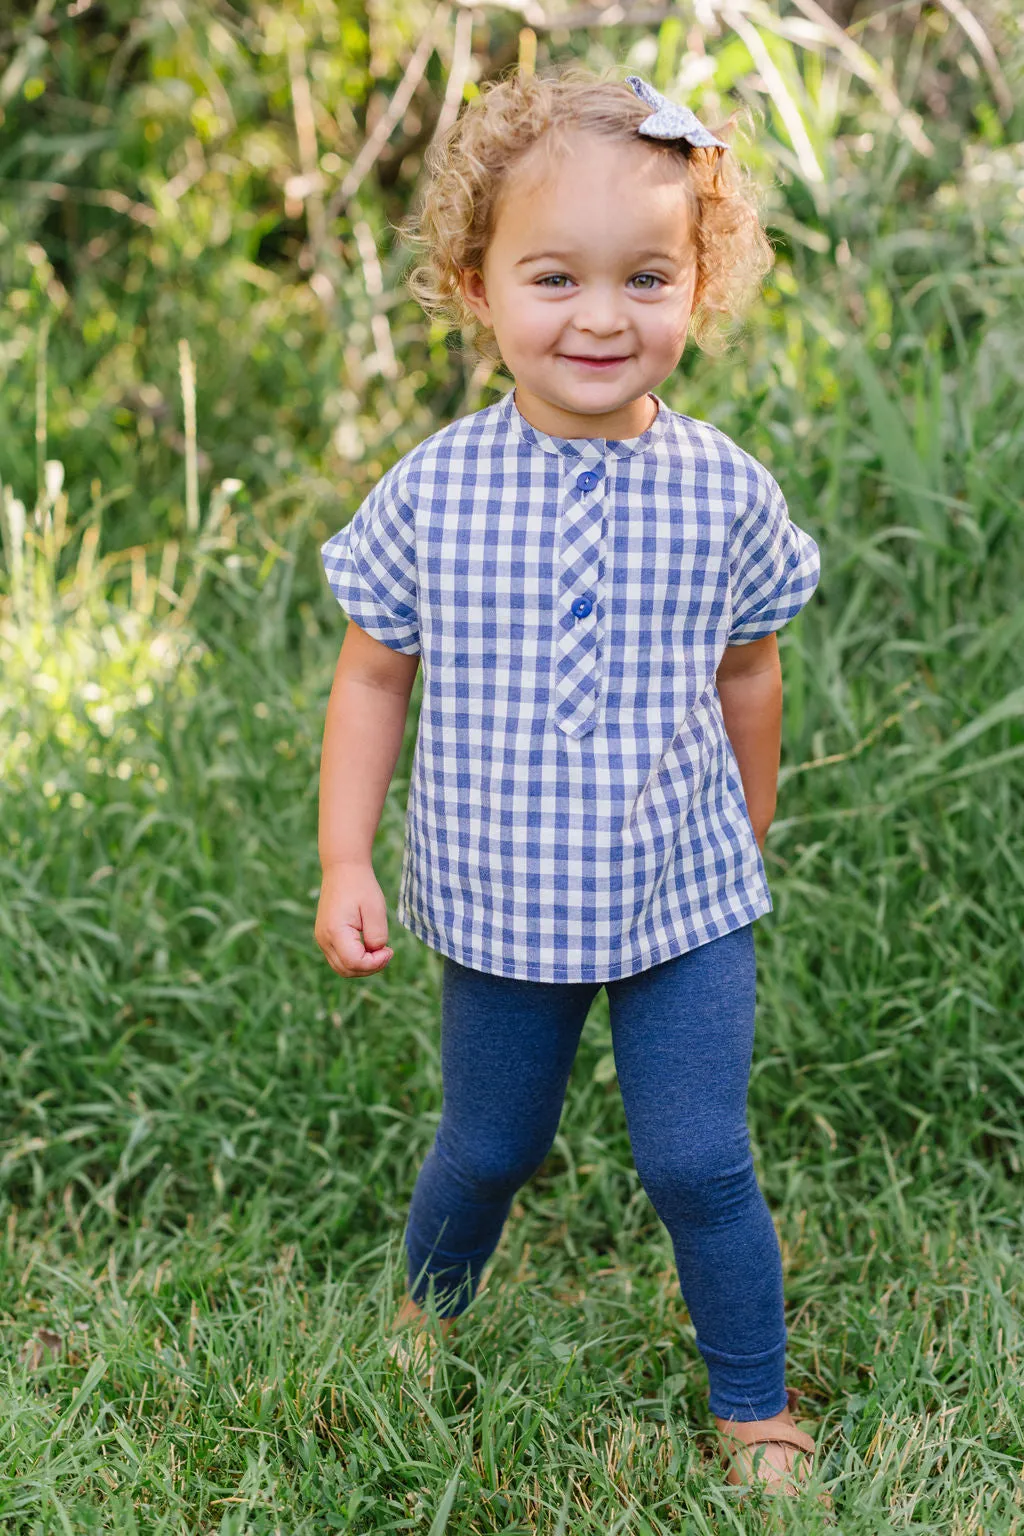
point(683, 1034)
point(507, 1048)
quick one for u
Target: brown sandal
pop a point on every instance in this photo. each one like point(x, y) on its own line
point(416, 1341)
point(741, 1436)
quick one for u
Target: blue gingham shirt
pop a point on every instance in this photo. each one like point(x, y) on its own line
point(575, 810)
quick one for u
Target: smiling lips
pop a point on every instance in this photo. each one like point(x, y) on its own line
point(594, 362)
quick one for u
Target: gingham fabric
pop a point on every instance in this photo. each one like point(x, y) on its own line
point(575, 811)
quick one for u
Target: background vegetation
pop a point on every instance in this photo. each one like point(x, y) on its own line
point(208, 1141)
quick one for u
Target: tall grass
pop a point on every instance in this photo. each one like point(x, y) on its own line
point(209, 1141)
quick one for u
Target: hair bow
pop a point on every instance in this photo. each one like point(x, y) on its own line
point(669, 122)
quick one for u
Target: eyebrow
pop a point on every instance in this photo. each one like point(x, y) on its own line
point(567, 256)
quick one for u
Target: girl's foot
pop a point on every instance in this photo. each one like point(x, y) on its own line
point(414, 1347)
point(772, 1451)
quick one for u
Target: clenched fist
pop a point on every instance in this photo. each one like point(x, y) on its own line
point(352, 920)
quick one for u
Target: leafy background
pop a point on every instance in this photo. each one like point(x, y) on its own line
point(208, 1141)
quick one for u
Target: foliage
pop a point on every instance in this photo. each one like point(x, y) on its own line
point(209, 1141)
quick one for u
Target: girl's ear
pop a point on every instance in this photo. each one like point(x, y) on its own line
point(471, 286)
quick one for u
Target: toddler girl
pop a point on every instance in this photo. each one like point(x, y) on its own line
point(593, 583)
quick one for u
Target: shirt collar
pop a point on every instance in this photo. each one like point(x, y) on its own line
point(587, 449)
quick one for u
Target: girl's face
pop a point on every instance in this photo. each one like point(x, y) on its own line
point(588, 284)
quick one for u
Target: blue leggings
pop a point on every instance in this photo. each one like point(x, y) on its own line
point(683, 1034)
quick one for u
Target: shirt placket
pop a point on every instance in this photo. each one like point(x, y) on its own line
point(580, 598)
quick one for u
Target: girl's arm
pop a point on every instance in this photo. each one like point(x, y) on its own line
point(750, 687)
point(363, 734)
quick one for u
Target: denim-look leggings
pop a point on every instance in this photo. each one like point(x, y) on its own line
point(683, 1034)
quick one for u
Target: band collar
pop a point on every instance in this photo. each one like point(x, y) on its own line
point(587, 449)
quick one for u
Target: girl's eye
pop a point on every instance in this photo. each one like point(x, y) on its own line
point(648, 282)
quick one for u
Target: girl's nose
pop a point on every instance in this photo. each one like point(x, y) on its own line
point(600, 313)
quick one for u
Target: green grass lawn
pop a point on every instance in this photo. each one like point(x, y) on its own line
point(210, 1140)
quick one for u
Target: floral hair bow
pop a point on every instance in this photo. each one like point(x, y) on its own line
point(670, 123)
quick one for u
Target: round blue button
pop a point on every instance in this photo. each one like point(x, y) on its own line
point(581, 607)
point(586, 481)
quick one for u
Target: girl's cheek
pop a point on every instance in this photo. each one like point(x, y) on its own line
point(535, 320)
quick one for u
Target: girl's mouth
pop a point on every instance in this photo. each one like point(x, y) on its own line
point(597, 364)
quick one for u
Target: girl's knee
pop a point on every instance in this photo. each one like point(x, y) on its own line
point(705, 1186)
point(491, 1171)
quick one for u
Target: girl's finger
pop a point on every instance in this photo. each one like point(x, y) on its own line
point(349, 947)
point(347, 955)
point(335, 960)
point(377, 959)
point(331, 956)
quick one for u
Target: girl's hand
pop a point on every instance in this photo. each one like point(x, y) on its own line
point(351, 902)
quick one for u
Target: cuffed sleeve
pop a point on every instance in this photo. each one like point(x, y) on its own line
point(774, 567)
point(371, 568)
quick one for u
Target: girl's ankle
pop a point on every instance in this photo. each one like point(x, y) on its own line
point(411, 1315)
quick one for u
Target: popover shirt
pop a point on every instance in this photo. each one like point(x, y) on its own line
point(575, 810)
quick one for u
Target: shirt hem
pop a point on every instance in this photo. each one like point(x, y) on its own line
point(597, 974)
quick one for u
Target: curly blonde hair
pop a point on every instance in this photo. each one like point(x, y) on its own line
point(469, 166)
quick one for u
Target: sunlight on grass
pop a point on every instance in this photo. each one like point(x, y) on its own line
point(87, 643)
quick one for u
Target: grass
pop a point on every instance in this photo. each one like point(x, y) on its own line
point(209, 1141)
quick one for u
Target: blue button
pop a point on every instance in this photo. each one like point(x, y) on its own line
point(587, 481)
point(581, 607)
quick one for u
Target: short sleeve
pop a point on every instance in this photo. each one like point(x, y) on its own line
point(774, 566)
point(371, 568)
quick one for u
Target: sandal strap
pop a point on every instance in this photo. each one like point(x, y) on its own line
point(769, 1432)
